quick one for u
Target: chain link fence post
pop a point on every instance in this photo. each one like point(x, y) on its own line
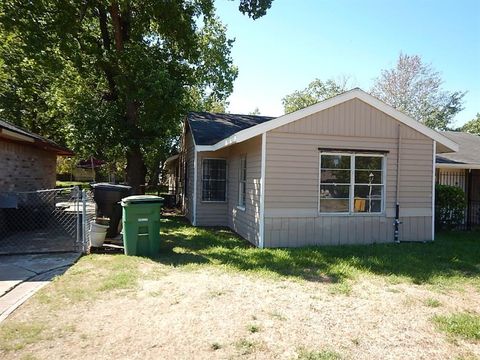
point(85, 239)
point(78, 242)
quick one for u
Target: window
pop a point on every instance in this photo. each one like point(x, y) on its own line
point(242, 182)
point(351, 183)
point(214, 184)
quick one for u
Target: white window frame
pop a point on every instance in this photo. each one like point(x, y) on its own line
point(226, 181)
point(351, 201)
point(241, 202)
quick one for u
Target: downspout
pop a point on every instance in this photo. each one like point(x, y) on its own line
point(397, 222)
point(261, 225)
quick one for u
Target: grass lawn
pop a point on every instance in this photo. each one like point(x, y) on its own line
point(66, 184)
point(211, 295)
point(454, 259)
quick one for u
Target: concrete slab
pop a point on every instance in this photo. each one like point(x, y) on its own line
point(21, 276)
point(11, 276)
point(38, 263)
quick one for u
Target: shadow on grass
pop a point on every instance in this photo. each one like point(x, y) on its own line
point(454, 257)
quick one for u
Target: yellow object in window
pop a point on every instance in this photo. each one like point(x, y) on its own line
point(359, 205)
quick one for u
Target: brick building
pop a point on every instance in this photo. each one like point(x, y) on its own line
point(27, 160)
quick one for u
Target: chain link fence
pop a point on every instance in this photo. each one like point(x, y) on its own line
point(43, 221)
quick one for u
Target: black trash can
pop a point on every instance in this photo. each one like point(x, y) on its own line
point(107, 197)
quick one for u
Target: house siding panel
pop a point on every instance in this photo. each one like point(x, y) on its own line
point(293, 149)
point(244, 222)
point(211, 213)
point(187, 160)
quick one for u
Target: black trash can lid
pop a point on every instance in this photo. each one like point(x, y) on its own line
point(141, 199)
point(108, 186)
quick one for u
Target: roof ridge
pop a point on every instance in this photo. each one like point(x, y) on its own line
point(231, 114)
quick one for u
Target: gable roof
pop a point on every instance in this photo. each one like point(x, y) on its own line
point(210, 128)
point(19, 134)
point(444, 144)
point(468, 154)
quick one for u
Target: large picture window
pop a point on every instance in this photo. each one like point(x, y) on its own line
point(214, 181)
point(351, 183)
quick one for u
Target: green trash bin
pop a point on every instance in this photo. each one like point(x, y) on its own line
point(141, 224)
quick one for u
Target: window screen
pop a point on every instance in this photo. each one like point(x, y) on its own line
point(214, 182)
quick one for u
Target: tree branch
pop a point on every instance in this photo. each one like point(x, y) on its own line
point(102, 18)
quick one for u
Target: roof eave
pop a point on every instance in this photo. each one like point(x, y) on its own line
point(20, 137)
point(457, 166)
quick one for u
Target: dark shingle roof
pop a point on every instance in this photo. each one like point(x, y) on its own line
point(468, 152)
point(39, 141)
point(210, 128)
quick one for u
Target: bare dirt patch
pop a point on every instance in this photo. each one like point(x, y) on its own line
point(208, 313)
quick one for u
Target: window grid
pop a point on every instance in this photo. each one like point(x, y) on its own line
point(214, 180)
point(355, 202)
point(242, 182)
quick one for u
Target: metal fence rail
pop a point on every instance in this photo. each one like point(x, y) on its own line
point(468, 181)
point(43, 221)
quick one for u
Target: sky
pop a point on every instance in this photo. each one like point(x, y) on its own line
point(300, 40)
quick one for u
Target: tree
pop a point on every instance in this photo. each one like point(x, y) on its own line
point(255, 111)
point(415, 88)
point(27, 95)
point(123, 69)
point(316, 91)
point(472, 126)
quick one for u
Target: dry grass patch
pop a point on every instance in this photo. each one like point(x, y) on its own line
point(211, 295)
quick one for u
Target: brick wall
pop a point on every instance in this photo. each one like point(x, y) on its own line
point(24, 167)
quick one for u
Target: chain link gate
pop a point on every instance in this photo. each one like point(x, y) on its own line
point(45, 221)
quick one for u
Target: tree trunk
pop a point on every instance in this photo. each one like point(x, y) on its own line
point(136, 170)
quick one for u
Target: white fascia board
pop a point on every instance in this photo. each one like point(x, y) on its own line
point(346, 96)
point(457, 166)
point(425, 130)
point(261, 225)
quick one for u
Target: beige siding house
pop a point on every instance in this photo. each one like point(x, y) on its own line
point(332, 173)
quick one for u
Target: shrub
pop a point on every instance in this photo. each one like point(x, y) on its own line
point(450, 206)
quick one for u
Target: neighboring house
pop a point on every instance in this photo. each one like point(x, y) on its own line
point(27, 160)
point(329, 174)
point(171, 176)
point(462, 169)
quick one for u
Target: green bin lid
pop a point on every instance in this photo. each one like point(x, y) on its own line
point(141, 199)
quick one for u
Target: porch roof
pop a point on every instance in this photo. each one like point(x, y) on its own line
point(468, 154)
